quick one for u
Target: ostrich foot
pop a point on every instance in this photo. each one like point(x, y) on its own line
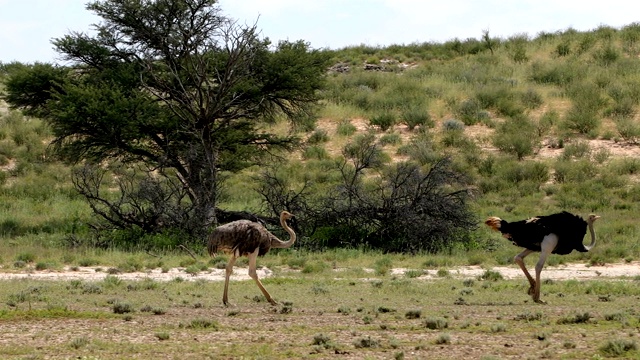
point(532, 290)
point(540, 301)
point(273, 302)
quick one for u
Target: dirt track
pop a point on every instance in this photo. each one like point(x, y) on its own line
point(563, 272)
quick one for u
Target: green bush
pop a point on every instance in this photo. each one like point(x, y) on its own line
point(517, 136)
point(385, 121)
point(516, 172)
point(390, 139)
point(622, 108)
point(415, 116)
point(557, 73)
point(436, 323)
point(618, 347)
point(582, 120)
point(318, 136)
point(607, 55)
point(421, 149)
point(587, 104)
point(576, 150)
point(625, 166)
point(499, 97)
point(452, 125)
point(574, 171)
point(346, 128)
point(531, 99)
point(628, 129)
point(315, 152)
point(468, 111)
point(563, 49)
point(586, 43)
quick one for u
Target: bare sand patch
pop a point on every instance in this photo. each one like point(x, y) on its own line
point(562, 272)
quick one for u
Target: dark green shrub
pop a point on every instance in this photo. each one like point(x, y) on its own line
point(491, 275)
point(618, 347)
point(509, 107)
point(586, 43)
point(201, 324)
point(452, 125)
point(563, 49)
point(575, 319)
point(547, 121)
point(468, 111)
point(628, 129)
point(413, 314)
point(26, 257)
point(122, 308)
point(625, 166)
point(322, 340)
point(587, 103)
point(346, 128)
point(576, 150)
point(421, 149)
point(385, 121)
point(517, 47)
point(415, 116)
point(516, 172)
point(455, 138)
point(436, 323)
point(560, 74)
point(531, 99)
point(318, 136)
point(623, 108)
point(519, 54)
point(517, 136)
point(607, 55)
point(582, 120)
point(315, 152)
point(574, 171)
point(43, 266)
point(390, 139)
point(493, 96)
point(367, 342)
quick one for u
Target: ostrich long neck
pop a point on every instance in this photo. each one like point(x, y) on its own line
point(277, 243)
point(593, 236)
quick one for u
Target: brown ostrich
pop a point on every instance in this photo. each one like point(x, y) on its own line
point(251, 239)
point(559, 233)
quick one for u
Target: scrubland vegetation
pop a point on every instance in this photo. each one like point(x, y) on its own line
point(528, 125)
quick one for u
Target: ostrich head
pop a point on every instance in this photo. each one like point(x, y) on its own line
point(590, 220)
point(285, 215)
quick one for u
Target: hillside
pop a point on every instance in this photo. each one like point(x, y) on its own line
point(538, 123)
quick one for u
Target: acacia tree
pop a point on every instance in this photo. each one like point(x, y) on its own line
point(173, 85)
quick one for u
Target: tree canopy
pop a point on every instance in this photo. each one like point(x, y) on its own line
point(174, 89)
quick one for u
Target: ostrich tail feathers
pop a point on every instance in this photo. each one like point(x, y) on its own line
point(494, 223)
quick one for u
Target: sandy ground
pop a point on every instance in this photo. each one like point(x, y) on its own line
point(563, 272)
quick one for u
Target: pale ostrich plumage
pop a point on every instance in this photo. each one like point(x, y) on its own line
point(559, 233)
point(247, 238)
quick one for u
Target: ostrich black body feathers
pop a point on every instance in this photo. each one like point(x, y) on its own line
point(569, 228)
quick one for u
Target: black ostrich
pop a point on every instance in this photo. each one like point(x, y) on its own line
point(247, 238)
point(559, 233)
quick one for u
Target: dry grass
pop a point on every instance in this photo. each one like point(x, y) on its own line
point(494, 319)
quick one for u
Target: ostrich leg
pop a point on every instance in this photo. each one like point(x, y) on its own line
point(519, 259)
point(227, 274)
point(548, 244)
point(254, 275)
